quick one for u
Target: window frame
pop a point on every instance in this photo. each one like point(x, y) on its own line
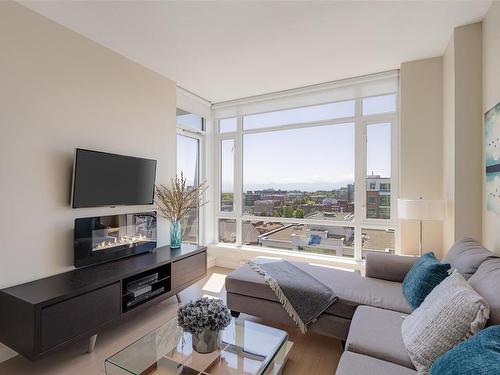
point(200, 136)
point(360, 220)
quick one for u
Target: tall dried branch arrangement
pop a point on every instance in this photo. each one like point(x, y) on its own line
point(174, 202)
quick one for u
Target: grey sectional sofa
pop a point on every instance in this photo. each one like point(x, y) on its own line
point(370, 308)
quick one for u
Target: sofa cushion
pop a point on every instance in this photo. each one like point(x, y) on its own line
point(351, 288)
point(452, 312)
point(466, 256)
point(486, 282)
point(377, 333)
point(358, 364)
point(478, 355)
point(388, 266)
point(424, 275)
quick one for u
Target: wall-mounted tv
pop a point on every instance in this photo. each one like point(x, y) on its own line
point(104, 179)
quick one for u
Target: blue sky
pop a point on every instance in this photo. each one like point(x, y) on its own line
point(187, 155)
point(307, 159)
point(310, 159)
point(300, 159)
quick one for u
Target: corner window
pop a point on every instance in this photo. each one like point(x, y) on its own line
point(288, 178)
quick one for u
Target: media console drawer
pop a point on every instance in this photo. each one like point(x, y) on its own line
point(188, 269)
point(75, 316)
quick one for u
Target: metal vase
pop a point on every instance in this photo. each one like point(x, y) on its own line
point(206, 341)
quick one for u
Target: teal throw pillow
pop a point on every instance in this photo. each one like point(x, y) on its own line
point(479, 355)
point(425, 275)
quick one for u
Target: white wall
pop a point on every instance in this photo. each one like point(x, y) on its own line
point(421, 137)
point(462, 137)
point(468, 131)
point(59, 91)
point(491, 96)
point(448, 144)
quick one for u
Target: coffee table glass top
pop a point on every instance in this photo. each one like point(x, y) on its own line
point(246, 348)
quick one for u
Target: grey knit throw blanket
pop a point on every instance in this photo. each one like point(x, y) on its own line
point(303, 296)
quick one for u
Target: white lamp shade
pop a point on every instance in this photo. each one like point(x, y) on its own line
point(420, 209)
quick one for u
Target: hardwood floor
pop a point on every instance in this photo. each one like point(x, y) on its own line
point(311, 354)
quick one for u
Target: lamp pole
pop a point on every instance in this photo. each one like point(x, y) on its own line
point(420, 243)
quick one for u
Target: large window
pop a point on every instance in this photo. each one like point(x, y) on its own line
point(300, 173)
point(288, 178)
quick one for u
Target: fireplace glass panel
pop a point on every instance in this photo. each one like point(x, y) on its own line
point(120, 230)
point(103, 238)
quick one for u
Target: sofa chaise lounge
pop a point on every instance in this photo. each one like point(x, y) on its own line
point(370, 309)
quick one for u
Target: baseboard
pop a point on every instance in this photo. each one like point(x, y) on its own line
point(211, 262)
point(6, 353)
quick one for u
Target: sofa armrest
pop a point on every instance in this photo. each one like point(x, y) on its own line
point(387, 266)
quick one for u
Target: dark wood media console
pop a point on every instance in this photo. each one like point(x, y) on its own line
point(41, 316)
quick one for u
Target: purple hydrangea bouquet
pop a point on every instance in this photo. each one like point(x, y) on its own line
point(204, 319)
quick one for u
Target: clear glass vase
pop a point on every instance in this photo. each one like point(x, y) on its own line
point(175, 234)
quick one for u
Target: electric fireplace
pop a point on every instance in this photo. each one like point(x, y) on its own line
point(104, 238)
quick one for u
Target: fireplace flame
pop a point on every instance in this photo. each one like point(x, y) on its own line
point(123, 240)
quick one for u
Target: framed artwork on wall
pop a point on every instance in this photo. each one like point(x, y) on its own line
point(492, 158)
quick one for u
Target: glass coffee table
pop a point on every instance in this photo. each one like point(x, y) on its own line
point(246, 348)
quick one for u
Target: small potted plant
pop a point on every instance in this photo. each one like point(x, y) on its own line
point(204, 318)
point(177, 201)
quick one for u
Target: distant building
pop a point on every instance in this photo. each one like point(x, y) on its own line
point(378, 197)
point(350, 192)
point(318, 198)
point(320, 239)
point(250, 198)
point(264, 207)
point(278, 199)
point(329, 201)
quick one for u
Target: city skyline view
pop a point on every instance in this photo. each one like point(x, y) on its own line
point(309, 159)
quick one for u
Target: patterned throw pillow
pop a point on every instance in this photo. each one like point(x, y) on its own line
point(480, 355)
point(425, 275)
point(452, 312)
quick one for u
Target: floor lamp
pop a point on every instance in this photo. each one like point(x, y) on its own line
point(421, 210)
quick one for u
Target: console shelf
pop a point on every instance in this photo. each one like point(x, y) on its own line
point(158, 285)
point(38, 317)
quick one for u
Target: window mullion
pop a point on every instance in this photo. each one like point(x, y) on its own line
point(359, 179)
point(238, 180)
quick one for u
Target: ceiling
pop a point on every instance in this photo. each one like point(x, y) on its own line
point(228, 50)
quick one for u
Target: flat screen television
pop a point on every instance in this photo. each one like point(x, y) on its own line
point(104, 179)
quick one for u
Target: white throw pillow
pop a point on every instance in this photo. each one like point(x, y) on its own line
point(452, 312)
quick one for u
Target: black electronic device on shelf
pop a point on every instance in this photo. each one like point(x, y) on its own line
point(140, 288)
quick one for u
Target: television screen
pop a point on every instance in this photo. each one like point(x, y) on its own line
point(103, 179)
